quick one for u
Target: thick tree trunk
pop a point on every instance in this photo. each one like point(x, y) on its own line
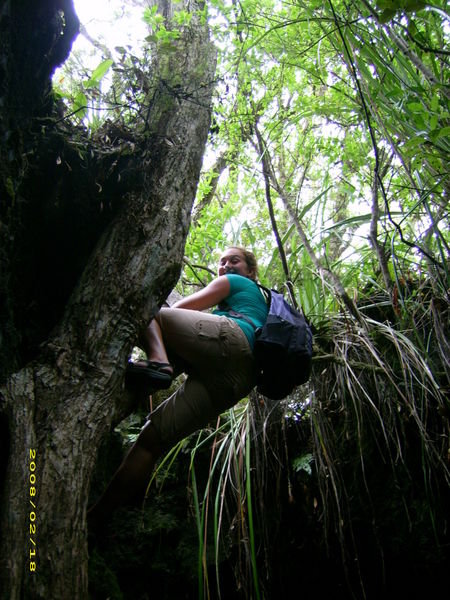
point(59, 407)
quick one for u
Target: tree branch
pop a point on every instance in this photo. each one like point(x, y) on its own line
point(355, 76)
point(266, 173)
point(373, 233)
point(325, 273)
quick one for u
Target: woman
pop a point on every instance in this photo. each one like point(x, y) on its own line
point(215, 351)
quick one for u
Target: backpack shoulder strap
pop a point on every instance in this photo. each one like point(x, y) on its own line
point(233, 313)
point(265, 292)
point(239, 315)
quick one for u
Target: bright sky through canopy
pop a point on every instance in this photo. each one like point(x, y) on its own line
point(114, 22)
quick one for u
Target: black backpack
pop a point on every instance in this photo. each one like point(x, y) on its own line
point(283, 348)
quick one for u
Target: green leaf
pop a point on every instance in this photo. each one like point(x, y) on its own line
point(80, 105)
point(444, 132)
point(303, 463)
point(415, 107)
point(99, 73)
point(308, 207)
point(413, 143)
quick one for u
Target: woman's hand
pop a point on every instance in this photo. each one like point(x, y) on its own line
point(208, 297)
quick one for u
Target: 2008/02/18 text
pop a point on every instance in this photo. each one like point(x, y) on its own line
point(33, 518)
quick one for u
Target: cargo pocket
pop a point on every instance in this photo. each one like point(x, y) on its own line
point(212, 338)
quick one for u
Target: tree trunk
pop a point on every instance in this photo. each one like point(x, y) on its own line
point(58, 407)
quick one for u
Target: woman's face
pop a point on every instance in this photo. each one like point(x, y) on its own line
point(233, 261)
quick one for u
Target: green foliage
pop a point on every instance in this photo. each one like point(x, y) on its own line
point(303, 463)
point(103, 581)
point(351, 104)
point(78, 96)
point(336, 96)
point(389, 8)
point(98, 74)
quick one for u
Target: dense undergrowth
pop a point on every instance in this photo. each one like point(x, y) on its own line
point(341, 490)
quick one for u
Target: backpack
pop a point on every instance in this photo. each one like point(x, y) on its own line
point(283, 349)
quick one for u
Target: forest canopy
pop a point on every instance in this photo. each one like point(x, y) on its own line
point(346, 104)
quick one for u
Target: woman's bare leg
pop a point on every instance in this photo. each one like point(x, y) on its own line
point(151, 341)
point(131, 478)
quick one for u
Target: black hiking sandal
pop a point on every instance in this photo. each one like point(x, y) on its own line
point(151, 374)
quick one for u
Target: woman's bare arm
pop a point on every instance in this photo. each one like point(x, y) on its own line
point(208, 297)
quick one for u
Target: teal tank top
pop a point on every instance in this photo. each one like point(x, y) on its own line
point(246, 298)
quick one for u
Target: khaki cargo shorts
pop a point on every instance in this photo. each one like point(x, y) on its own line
point(219, 364)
